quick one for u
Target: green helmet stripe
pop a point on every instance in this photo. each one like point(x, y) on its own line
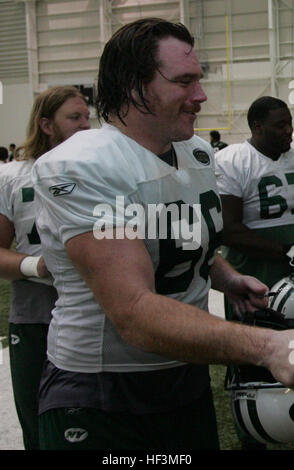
point(251, 405)
point(284, 299)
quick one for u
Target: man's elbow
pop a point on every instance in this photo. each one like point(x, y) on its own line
point(129, 321)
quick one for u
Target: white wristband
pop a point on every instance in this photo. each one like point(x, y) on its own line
point(28, 266)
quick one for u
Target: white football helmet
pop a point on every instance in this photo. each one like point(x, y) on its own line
point(263, 408)
point(282, 298)
point(264, 411)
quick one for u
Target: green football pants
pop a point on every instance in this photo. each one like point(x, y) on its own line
point(27, 347)
point(187, 428)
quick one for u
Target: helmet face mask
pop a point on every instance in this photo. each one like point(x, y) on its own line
point(263, 408)
point(282, 299)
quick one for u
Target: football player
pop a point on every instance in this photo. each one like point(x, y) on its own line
point(254, 180)
point(130, 339)
point(57, 113)
point(215, 141)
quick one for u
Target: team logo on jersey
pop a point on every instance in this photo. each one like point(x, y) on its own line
point(201, 156)
point(14, 339)
point(75, 435)
point(72, 411)
point(62, 189)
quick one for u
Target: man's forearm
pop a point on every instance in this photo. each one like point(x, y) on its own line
point(248, 242)
point(10, 264)
point(237, 235)
point(221, 273)
point(173, 329)
point(159, 324)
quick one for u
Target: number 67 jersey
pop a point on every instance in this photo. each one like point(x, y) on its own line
point(102, 179)
point(264, 185)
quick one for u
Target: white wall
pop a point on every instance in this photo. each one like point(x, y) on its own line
point(17, 98)
point(70, 35)
point(14, 113)
point(245, 50)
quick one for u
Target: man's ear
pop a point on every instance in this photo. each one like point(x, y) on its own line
point(135, 95)
point(257, 127)
point(46, 126)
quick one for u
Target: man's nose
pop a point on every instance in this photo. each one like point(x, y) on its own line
point(199, 94)
point(85, 123)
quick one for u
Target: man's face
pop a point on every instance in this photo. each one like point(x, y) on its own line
point(174, 95)
point(71, 117)
point(276, 130)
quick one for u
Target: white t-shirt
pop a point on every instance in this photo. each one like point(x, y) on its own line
point(73, 183)
point(265, 186)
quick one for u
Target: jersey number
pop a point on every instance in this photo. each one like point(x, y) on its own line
point(267, 202)
point(171, 256)
point(33, 236)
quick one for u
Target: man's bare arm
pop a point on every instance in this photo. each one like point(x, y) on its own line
point(239, 236)
point(120, 274)
point(10, 260)
point(246, 293)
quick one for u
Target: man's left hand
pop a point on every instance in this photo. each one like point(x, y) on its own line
point(246, 294)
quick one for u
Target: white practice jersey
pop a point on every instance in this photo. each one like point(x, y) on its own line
point(17, 204)
point(265, 186)
point(102, 177)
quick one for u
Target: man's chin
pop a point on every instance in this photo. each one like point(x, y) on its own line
point(185, 136)
point(286, 148)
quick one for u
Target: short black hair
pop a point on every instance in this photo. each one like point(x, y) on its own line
point(3, 154)
point(215, 135)
point(261, 107)
point(129, 61)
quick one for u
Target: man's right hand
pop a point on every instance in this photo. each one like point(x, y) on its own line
point(280, 356)
point(42, 269)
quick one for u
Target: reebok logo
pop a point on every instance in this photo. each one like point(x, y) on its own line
point(62, 189)
point(14, 339)
point(75, 435)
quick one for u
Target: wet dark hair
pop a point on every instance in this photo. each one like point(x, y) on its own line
point(129, 61)
point(261, 107)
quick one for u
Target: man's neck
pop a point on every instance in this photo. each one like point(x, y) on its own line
point(140, 133)
point(268, 152)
